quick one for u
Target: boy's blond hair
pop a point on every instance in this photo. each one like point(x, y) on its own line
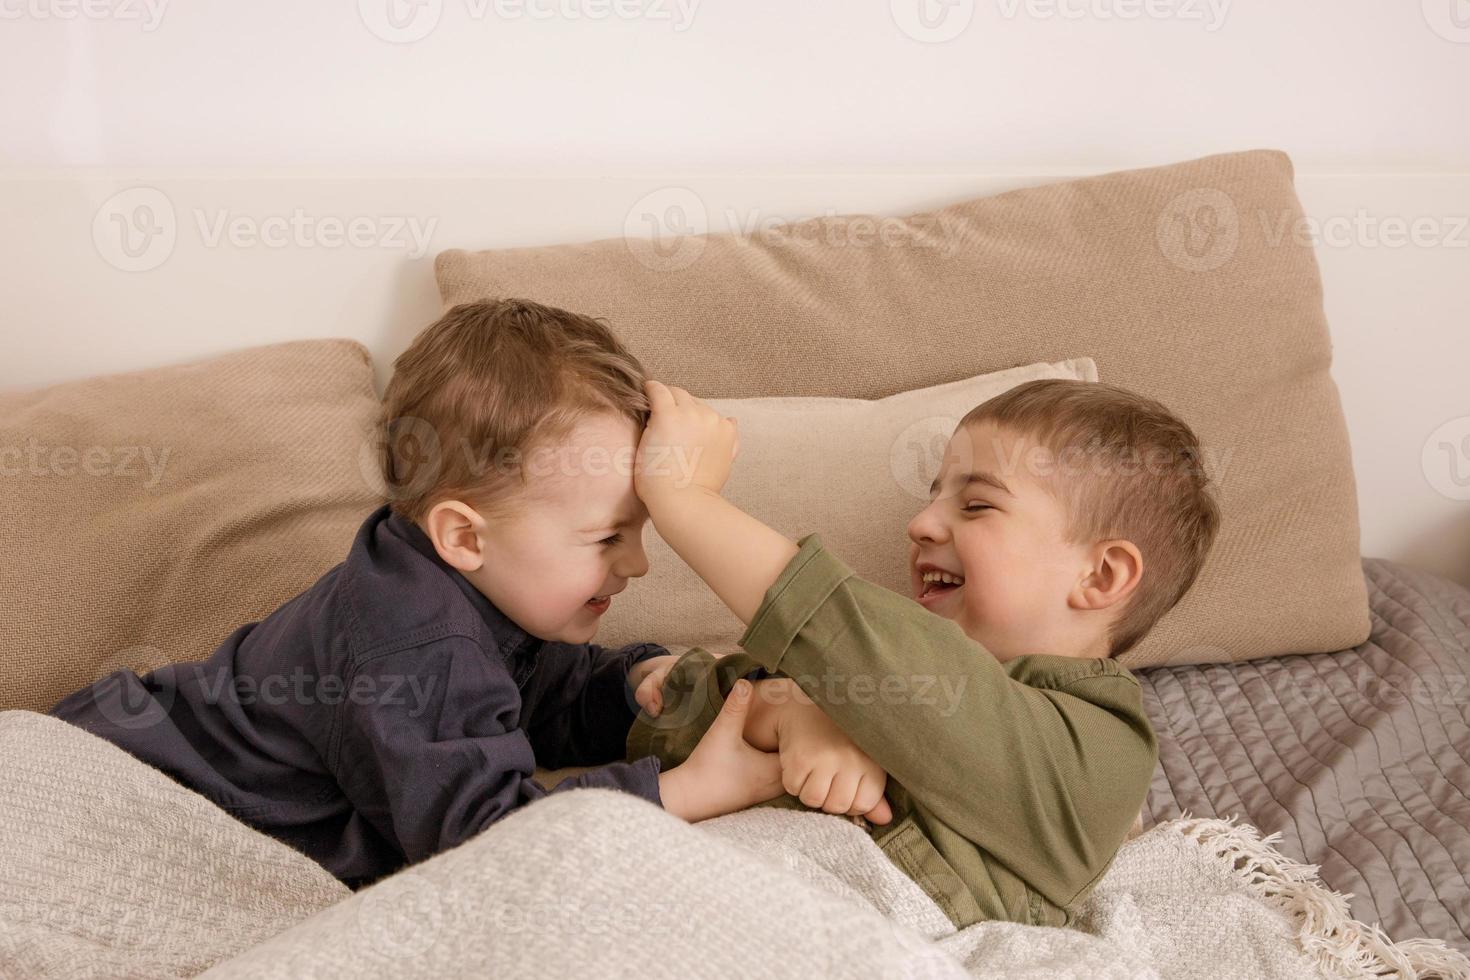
point(483, 387)
point(1140, 477)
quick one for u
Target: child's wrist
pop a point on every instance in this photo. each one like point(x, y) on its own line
point(673, 791)
point(672, 507)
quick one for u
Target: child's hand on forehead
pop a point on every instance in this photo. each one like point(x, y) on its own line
point(686, 447)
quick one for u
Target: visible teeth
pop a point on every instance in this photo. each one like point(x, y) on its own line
point(945, 577)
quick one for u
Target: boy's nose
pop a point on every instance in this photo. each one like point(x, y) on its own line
point(926, 527)
point(633, 562)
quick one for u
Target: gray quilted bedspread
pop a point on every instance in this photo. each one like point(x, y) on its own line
point(1358, 758)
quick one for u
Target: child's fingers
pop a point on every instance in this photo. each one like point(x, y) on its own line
point(659, 396)
point(768, 772)
point(869, 794)
point(843, 792)
point(730, 722)
point(649, 695)
point(793, 778)
point(814, 791)
point(882, 813)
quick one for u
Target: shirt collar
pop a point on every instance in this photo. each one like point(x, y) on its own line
point(508, 634)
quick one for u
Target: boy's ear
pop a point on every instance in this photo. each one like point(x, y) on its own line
point(455, 529)
point(1116, 571)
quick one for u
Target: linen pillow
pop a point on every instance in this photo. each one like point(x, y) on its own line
point(856, 470)
point(151, 513)
point(1170, 278)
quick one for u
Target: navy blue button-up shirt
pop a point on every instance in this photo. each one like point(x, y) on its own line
point(385, 714)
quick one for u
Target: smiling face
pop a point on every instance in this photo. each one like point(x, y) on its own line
point(1019, 587)
point(574, 533)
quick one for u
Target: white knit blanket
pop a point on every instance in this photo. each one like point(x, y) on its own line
point(109, 869)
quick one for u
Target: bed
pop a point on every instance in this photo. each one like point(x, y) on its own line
point(1358, 758)
point(1303, 688)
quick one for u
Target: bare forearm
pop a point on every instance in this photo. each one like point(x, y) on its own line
point(738, 557)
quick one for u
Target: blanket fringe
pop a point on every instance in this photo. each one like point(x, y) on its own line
point(1342, 946)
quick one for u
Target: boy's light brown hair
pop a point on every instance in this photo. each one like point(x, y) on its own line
point(1124, 466)
point(486, 385)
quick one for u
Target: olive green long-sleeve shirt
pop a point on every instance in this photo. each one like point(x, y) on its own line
point(1012, 784)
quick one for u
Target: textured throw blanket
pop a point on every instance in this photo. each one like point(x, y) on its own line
point(109, 869)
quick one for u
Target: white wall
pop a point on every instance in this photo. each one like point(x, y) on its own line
point(823, 85)
point(151, 91)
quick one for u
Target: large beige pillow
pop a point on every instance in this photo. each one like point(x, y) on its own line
point(802, 464)
point(1170, 278)
point(149, 514)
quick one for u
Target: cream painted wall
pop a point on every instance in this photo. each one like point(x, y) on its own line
point(781, 108)
point(579, 86)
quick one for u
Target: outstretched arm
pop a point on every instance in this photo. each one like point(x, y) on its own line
point(684, 459)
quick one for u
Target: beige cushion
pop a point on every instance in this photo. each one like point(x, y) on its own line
point(149, 514)
point(1170, 278)
point(843, 465)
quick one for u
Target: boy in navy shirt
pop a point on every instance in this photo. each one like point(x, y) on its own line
point(402, 703)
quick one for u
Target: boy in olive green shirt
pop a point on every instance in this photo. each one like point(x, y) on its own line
point(1014, 750)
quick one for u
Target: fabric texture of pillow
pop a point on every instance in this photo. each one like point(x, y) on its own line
point(152, 513)
point(851, 468)
point(1170, 278)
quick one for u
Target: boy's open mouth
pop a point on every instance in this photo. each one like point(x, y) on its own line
point(935, 586)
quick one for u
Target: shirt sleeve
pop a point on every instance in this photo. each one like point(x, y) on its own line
point(694, 691)
point(1001, 753)
point(426, 747)
point(579, 702)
